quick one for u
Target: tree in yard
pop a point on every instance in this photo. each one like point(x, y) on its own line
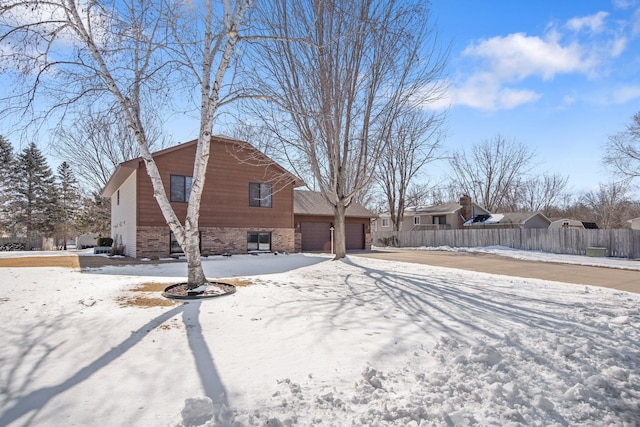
point(69, 200)
point(96, 142)
point(610, 205)
point(94, 215)
point(35, 202)
point(6, 177)
point(336, 76)
point(128, 56)
point(491, 171)
point(541, 193)
point(412, 143)
point(622, 152)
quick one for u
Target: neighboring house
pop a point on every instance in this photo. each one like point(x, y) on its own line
point(635, 223)
point(247, 204)
point(313, 218)
point(435, 217)
point(510, 220)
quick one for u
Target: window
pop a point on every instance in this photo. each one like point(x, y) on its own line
point(440, 219)
point(180, 188)
point(174, 246)
point(259, 195)
point(118, 198)
point(258, 241)
point(385, 222)
point(416, 220)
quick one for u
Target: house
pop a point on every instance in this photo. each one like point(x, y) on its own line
point(313, 218)
point(510, 220)
point(635, 223)
point(435, 217)
point(247, 202)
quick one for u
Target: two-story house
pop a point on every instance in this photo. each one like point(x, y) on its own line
point(247, 204)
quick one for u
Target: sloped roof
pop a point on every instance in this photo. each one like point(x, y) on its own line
point(125, 169)
point(520, 217)
point(443, 209)
point(312, 203)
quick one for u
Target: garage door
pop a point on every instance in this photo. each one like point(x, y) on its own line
point(316, 236)
point(355, 236)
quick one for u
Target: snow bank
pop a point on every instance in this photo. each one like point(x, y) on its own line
point(354, 342)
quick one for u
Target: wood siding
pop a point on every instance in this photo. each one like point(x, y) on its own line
point(225, 200)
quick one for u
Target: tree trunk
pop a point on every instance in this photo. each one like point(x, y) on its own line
point(340, 231)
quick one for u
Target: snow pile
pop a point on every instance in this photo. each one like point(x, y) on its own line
point(622, 263)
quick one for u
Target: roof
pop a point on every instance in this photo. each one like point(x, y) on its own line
point(520, 217)
point(447, 208)
point(313, 203)
point(125, 169)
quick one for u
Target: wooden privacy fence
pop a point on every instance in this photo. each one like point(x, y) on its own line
point(619, 243)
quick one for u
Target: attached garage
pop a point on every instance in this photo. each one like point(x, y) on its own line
point(313, 218)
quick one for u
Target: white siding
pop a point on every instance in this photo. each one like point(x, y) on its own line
point(123, 215)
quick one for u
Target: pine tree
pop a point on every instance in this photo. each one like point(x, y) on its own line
point(68, 201)
point(6, 188)
point(36, 198)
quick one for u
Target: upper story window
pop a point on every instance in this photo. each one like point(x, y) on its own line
point(180, 188)
point(416, 220)
point(385, 222)
point(259, 195)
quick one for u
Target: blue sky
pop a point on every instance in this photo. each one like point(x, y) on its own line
point(558, 76)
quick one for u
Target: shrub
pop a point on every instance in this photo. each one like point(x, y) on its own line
point(105, 241)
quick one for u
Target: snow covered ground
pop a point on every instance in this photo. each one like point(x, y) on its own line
point(313, 341)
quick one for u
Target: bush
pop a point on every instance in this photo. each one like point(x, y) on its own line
point(105, 241)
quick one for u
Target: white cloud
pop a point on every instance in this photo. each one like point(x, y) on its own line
point(625, 94)
point(635, 23)
point(484, 92)
point(518, 56)
point(594, 23)
point(624, 4)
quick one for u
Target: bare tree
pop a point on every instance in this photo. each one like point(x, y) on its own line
point(541, 193)
point(337, 74)
point(412, 143)
point(492, 170)
point(95, 143)
point(610, 204)
point(129, 55)
point(622, 152)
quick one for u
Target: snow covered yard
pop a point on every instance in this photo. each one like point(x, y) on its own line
point(355, 342)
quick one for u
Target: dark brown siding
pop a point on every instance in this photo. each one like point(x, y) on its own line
point(355, 236)
point(225, 200)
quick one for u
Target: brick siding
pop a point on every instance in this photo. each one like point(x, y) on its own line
point(154, 241)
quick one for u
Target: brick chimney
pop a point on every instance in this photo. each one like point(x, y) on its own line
point(466, 211)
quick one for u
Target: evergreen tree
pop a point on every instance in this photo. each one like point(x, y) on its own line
point(36, 198)
point(95, 215)
point(6, 188)
point(68, 201)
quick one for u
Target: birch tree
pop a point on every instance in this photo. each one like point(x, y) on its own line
point(127, 55)
point(334, 76)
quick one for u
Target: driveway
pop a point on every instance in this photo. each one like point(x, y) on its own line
point(624, 280)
